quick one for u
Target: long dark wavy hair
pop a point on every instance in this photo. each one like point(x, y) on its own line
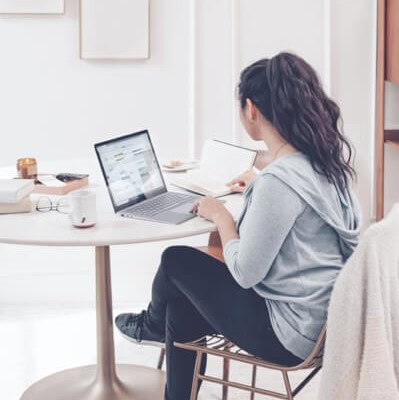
point(288, 93)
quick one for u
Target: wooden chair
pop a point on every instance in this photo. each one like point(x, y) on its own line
point(218, 345)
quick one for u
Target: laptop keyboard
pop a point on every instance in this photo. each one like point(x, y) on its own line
point(158, 204)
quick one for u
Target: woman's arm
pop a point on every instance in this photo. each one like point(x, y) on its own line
point(273, 211)
point(270, 217)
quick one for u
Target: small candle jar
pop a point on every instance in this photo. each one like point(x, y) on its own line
point(27, 168)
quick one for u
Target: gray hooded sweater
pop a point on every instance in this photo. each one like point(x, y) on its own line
point(296, 231)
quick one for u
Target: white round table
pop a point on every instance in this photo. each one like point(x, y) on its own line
point(104, 381)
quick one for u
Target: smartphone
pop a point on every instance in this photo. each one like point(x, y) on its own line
point(67, 176)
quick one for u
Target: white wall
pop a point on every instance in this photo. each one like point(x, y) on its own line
point(229, 35)
point(336, 36)
point(54, 105)
point(353, 69)
point(268, 27)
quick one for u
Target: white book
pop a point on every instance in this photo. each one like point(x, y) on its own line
point(23, 206)
point(220, 163)
point(14, 190)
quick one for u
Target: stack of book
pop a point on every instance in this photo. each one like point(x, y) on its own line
point(15, 195)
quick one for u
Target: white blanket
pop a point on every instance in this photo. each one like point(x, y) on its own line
point(361, 360)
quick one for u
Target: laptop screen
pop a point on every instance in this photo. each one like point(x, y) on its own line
point(130, 169)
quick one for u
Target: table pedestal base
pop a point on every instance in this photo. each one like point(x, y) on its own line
point(133, 383)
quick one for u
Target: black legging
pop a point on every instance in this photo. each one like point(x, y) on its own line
point(193, 295)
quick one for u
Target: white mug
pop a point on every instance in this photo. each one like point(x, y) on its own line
point(83, 212)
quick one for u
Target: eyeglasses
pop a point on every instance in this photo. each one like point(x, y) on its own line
point(44, 204)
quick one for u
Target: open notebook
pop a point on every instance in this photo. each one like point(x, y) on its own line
point(220, 163)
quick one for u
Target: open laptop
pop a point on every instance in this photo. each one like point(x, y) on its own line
point(135, 182)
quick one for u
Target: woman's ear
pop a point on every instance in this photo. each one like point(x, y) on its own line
point(251, 110)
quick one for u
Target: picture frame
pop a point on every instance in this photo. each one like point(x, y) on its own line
point(32, 7)
point(114, 29)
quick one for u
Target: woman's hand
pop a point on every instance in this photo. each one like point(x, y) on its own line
point(211, 209)
point(241, 183)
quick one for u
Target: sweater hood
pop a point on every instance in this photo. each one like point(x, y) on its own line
point(337, 208)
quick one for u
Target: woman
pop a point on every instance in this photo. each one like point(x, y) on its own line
point(298, 226)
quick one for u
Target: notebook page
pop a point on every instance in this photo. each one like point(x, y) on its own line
point(208, 182)
point(224, 162)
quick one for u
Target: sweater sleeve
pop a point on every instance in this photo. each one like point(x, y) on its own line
point(268, 220)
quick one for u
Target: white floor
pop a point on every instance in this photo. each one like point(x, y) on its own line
point(47, 316)
point(38, 341)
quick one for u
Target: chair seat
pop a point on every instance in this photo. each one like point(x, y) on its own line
point(218, 345)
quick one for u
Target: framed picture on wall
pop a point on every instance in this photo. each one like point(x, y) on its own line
point(114, 29)
point(32, 7)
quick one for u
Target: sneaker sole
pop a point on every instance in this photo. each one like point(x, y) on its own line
point(143, 342)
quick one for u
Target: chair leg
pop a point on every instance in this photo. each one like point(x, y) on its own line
point(226, 371)
point(253, 383)
point(194, 387)
point(161, 359)
point(226, 374)
point(287, 386)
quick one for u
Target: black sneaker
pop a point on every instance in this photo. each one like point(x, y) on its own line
point(134, 328)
